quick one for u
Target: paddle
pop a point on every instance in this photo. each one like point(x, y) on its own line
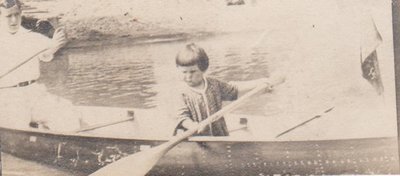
point(138, 164)
point(303, 123)
point(22, 63)
point(93, 127)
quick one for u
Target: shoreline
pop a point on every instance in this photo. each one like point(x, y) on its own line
point(99, 22)
point(103, 40)
point(93, 38)
point(107, 29)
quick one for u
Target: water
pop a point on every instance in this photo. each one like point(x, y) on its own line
point(140, 76)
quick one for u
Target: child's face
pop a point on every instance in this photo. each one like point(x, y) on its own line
point(11, 19)
point(191, 75)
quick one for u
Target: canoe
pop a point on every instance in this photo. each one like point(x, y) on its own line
point(209, 155)
point(86, 153)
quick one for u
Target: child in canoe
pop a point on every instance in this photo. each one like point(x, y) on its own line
point(203, 95)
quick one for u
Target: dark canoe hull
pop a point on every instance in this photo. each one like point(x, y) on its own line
point(86, 154)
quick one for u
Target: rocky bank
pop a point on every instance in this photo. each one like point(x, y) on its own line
point(95, 22)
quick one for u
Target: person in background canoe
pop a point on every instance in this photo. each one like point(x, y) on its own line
point(203, 95)
point(23, 100)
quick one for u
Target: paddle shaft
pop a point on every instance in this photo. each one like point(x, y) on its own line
point(303, 123)
point(97, 126)
point(140, 163)
point(227, 109)
point(22, 63)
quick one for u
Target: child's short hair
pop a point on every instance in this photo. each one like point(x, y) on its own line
point(192, 55)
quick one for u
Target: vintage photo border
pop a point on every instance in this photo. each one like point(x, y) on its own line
point(396, 48)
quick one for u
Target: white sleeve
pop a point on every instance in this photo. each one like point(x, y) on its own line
point(42, 42)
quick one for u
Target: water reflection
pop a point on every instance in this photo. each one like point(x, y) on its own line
point(106, 76)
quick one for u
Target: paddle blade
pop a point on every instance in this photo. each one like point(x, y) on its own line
point(137, 164)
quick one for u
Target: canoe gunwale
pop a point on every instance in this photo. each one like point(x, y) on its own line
point(40, 132)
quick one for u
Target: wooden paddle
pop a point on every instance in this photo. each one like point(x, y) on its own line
point(138, 164)
point(97, 126)
point(303, 123)
point(22, 63)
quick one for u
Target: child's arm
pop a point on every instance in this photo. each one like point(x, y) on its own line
point(245, 86)
point(184, 120)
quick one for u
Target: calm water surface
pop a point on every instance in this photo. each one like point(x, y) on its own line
point(142, 76)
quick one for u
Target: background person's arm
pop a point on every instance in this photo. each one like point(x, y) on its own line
point(58, 41)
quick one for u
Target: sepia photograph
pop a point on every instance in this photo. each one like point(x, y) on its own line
point(198, 87)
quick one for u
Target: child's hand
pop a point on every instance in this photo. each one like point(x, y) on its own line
point(189, 124)
point(266, 81)
point(271, 82)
